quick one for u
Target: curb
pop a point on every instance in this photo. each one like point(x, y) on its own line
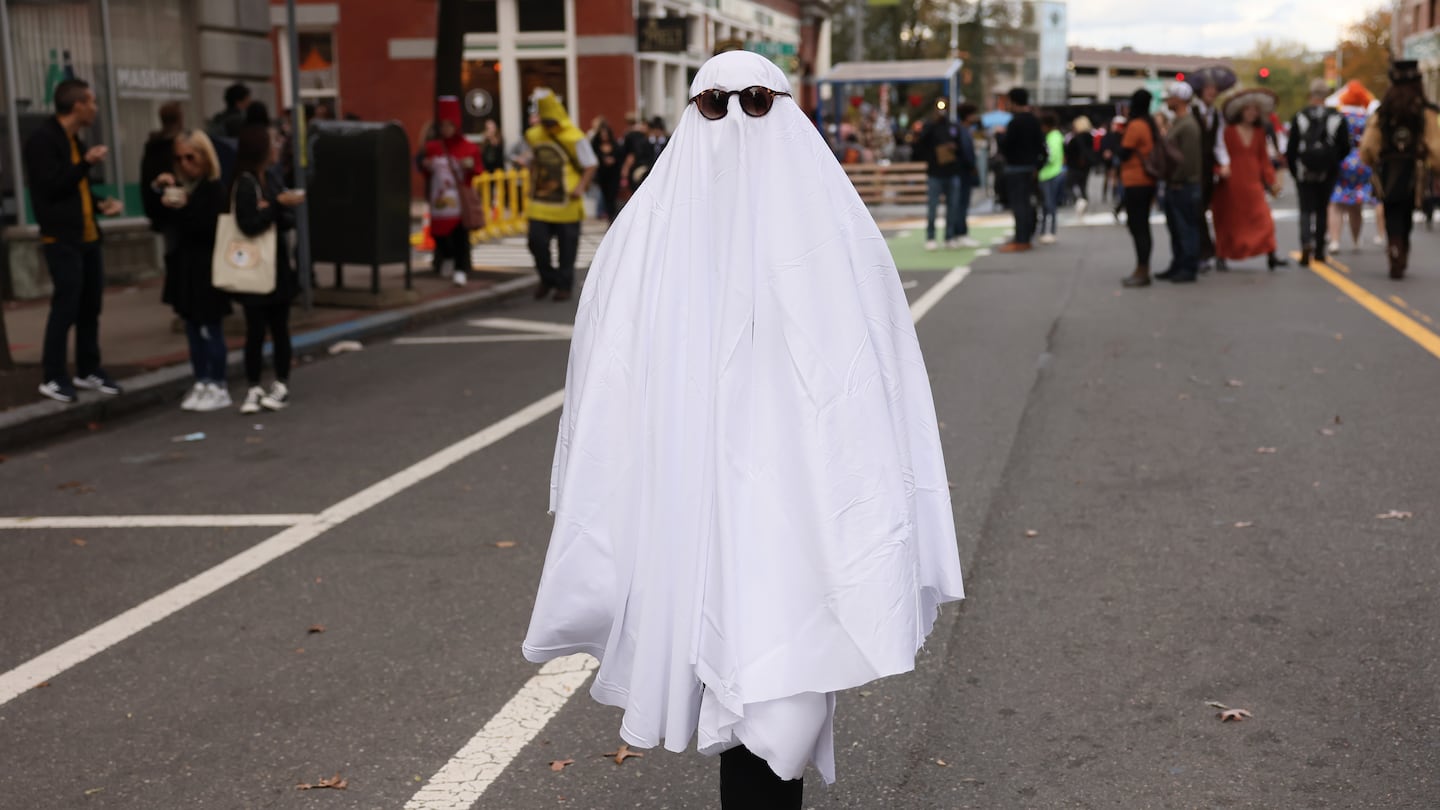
point(28, 424)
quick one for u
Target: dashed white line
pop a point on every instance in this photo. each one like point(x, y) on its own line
point(472, 770)
point(458, 339)
point(49, 664)
point(519, 325)
point(150, 521)
point(932, 296)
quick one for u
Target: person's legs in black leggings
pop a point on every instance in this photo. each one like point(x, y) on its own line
point(747, 783)
point(1138, 201)
point(277, 317)
point(254, 343)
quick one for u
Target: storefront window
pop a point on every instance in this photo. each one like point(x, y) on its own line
point(542, 15)
point(152, 42)
point(319, 72)
point(536, 73)
point(481, 79)
point(479, 17)
point(54, 40)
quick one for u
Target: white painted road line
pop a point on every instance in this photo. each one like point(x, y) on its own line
point(457, 339)
point(518, 325)
point(472, 770)
point(465, 778)
point(49, 664)
point(151, 521)
point(932, 296)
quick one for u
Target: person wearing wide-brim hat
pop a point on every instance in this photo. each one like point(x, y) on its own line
point(1208, 83)
point(1243, 224)
point(1401, 138)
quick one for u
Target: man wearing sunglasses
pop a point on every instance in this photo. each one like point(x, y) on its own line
point(562, 168)
point(746, 414)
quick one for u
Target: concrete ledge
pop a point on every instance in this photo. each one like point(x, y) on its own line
point(29, 424)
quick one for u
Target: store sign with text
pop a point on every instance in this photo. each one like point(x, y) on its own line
point(152, 83)
point(668, 34)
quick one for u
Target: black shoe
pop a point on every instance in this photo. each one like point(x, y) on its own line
point(1222, 266)
point(98, 380)
point(561, 295)
point(1305, 257)
point(542, 291)
point(1272, 261)
point(1166, 275)
point(59, 390)
point(1184, 278)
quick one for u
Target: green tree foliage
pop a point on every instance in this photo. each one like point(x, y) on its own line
point(1291, 70)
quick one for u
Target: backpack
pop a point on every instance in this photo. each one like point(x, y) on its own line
point(1316, 148)
point(1164, 158)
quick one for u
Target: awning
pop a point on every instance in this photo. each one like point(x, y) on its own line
point(917, 70)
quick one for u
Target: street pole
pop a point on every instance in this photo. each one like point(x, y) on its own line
point(449, 49)
point(857, 42)
point(300, 148)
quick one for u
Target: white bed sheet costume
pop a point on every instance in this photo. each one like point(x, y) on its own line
point(751, 507)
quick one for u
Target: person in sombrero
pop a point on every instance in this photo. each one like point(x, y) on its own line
point(1244, 227)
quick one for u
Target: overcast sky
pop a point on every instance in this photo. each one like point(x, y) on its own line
point(1210, 27)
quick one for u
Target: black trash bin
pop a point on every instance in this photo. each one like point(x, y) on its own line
point(358, 197)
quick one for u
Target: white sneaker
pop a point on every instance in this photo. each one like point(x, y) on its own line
point(1333, 247)
point(1047, 239)
point(952, 244)
point(1379, 240)
point(1080, 206)
point(252, 399)
point(459, 278)
point(215, 397)
point(278, 397)
point(930, 244)
point(196, 392)
point(967, 242)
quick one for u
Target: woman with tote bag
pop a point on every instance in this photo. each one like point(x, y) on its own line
point(259, 205)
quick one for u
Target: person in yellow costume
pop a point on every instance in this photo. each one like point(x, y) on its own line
point(561, 171)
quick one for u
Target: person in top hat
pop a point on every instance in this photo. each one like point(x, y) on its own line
point(1400, 139)
point(449, 161)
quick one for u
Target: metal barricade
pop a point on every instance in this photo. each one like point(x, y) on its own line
point(505, 196)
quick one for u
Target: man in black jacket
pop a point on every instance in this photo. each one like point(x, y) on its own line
point(57, 169)
point(1023, 147)
point(1319, 143)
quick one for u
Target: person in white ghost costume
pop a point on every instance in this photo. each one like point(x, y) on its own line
point(751, 506)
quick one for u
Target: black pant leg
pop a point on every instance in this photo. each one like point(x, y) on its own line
point(92, 300)
point(747, 783)
point(1137, 201)
point(569, 233)
point(67, 281)
point(254, 343)
point(540, 235)
point(277, 318)
point(460, 248)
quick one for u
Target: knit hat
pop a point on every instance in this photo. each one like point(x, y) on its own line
point(1180, 91)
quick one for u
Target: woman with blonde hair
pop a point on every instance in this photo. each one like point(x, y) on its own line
point(192, 198)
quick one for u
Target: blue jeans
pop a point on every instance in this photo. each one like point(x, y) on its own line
point(1019, 186)
point(950, 189)
point(207, 350)
point(1182, 218)
point(1050, 191)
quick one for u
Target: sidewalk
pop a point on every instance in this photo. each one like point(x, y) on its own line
point(143, 349)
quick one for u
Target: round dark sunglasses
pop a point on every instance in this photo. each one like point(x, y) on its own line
point(754, 101)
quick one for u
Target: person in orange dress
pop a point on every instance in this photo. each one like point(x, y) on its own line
point(1243, 224)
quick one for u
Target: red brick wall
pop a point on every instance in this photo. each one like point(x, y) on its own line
point(790, 7)
point(607, 87)
point(604, 17)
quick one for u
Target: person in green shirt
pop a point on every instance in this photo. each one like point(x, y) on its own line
point(1052, 176)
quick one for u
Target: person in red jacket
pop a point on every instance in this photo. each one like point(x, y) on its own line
point(449, 160)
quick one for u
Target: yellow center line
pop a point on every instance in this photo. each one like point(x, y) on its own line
point(1399, 321)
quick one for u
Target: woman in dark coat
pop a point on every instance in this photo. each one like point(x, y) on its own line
point(607, 177)
point(191, 200)
point(259, 205)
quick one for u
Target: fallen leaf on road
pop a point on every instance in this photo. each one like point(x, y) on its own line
point(78, 541)
point(343, 346)
point(1243, 524)
point(1235, 383)
point(1266, 451)
point(623, 754)
point(1031, 533)
point(92, 426)
point(1396, 514)
point(253, 440)
point(1183, 396)
point(942, 763)
point(299, 650)
point(70, 485)
point(505, 544)
point(316, 628)
point(866, 693)
point(1337, 419)
point(1227, 714)
point(559, 764)
point(334, 783)
point(42, 685)
point(1339, 336)
point(93, 791)
point(1326, 432)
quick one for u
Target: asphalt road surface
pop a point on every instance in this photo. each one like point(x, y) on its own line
point(1222, 492)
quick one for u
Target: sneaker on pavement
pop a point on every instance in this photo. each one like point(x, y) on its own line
point(1378, 240)
point(459, 278)
point(952, 244)
point(196, 392)
point(98, 380)
point(967, 242)
point(252, 400)
point(1047, 239)
point(278, 397)
point(931, 244)
point(215, 398)
point(1080, 206)
point(59, 390)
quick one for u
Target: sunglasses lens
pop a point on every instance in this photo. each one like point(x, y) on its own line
point(755, 101)
point(713, 104)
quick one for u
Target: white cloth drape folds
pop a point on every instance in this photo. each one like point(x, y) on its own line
point(751, 507)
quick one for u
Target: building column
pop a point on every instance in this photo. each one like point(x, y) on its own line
point(234, 47)
point(513, 108)
point(605, 60)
